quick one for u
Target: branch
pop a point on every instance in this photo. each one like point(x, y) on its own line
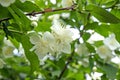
point(51, 10)
point(65, 67)
point(43, 12)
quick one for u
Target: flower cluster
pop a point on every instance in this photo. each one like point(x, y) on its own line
point(110, 44)
point(56, 41)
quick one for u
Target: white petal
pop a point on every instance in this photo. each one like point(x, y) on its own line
point(47, 36)
point(82, 50)
point(111, 42)
point(34, 38)
point(66, 48)
point(104, 52)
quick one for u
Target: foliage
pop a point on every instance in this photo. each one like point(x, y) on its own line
point(55, 39)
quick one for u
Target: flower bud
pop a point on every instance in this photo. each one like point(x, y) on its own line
point(34, 24)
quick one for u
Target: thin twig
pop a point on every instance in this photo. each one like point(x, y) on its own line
point(45, 11)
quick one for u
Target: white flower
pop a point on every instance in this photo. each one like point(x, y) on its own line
point(61, 32)
point(82, 50)
point(111, 42)
point(57, 41)
point(1, 63)
point(96, 75)
point(8, 51)
point(42, 44)
point(63, 37)
point(67, 3)
point(104, 52)
point(6, 3)
point(8, 48)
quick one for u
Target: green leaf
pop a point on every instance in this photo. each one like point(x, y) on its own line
point(1, 37)
point(40, 3)
point(110, 3)
point(75, 76)
point(90, 47)
point(20, 18)
point(14, 42)
point(4, 13)
point(116, 12)
point(91, 63)
point(15, 16)
point(1, 40)
point(114, 28)
point(83, 17)
point(86, 36)
point(118, 75)
point(102, 15)
point(27, 6)
point(98, 43)
point(91, 26)
point(77, 19)
point(32, 57)
point(43, 26)
point(103, 30)
point(110, 70)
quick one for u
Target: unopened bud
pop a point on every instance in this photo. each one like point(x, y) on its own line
point(94, 69)
point(34, 24)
